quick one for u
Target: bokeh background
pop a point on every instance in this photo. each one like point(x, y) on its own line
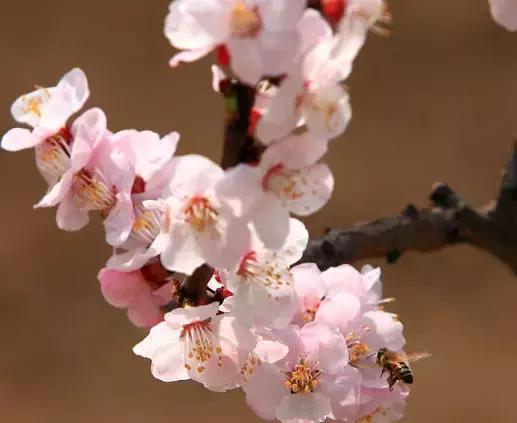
point(435, 102)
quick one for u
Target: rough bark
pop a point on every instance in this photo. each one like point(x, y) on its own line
point(450, 221)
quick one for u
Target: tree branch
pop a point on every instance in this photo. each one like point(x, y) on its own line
point(492, 228)
point(239, 147)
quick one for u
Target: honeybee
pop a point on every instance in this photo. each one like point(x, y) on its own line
point(396, 364)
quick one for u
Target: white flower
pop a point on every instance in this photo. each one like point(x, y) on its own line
point(197, 343)
point(260, 35)
point(47, 110)
point(288, 179)
point(262, 283)
point(200, 224)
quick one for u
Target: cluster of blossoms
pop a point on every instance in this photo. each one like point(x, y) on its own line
point(298, 341)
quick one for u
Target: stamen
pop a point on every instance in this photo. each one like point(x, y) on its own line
point(200, 346)
point(245, 21)
point(263, 271)
point(303, 378)
point(147, 224)
point(34, 104)
point(201, 214)
point(53, 155)
point(92, 191)
point(284, 183)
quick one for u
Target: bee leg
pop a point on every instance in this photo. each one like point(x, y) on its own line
point(391, 382)
point(382, 372)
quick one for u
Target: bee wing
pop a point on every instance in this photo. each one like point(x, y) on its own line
point(418, 356)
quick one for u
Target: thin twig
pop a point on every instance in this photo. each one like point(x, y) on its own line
point(239, 147)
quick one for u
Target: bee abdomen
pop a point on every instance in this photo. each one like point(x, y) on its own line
point(405, 374)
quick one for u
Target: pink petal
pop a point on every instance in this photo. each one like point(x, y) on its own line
point(265, 390)
point(69, 217)
point(120, 289)
point(120, 220)
point(325, 344)
point(312, 406)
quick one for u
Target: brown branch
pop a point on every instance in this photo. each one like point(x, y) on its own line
point(492, 228)
point(239, 147)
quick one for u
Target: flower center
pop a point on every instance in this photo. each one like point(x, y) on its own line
point(357, 350)
point(147, 224)
point(92, 191)
point(200, 346)
point(200, 213)
point(245, 21)
point(284, 183)
point(34, 104)
point(302, 378)
point(263, 271)
point(53, 154)
point(310, 310)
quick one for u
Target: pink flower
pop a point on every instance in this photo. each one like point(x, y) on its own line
point(197, 343)
point(132, 291)
point(312, 382)
point(504, 13)
point(286, 180)
point(199, 225)
point(262, 284)
point(153, 161)
point(99, 178)
point(260, 35)
point(47, 110)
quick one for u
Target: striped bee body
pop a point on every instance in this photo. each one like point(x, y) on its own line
point(395, 363)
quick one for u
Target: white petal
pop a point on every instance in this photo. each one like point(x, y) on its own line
point(313, 28)
point(179, 317)
point(271, 221)
point(296, 151)
point(295, 243)
point(241, 188)
point(504, 13)
point(182, 253)
point(265, 390)
point(316, 189)
point(69, 217)
point(57, 193)
point(340, 310)
point(19, 139)
point(270, 351)
point(247, 61)
point(79, 90)
point(385, 331)
point(282, 115)
point(120, 220)
point(312, 406)
point(308, 282)
point(193, 174)
point(195, 25)
point(188, 56)
point(168, 364)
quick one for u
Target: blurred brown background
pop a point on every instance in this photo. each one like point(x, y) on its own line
point(436, 101)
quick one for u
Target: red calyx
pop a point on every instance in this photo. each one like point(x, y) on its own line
point(138, 185)
point(155, 274)
point(255, 116)
point(333, 10)
point(222, 54)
